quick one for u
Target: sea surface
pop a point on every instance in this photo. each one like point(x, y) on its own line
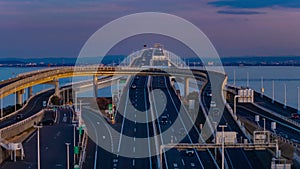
point(282, 76)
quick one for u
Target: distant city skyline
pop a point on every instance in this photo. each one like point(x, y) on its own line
point(59, 28)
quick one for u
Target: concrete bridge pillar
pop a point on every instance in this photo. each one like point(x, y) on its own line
point(20, 96)
point(56, 83)
point(95, 85)
point(186, 86)
point(29, 90)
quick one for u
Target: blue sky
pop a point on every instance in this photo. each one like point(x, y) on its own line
point(59, 28)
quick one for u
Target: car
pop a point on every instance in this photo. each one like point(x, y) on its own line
point(133, 86)
point(209, 94)
point(189, 152)
point(295, 116)
point(181, 131)
point(193, 165)
point(164, 119)
point(19, 117)
point(213, 104)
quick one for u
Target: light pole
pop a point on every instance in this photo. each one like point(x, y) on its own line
point(298, 99)
point(247, 79)
point(15, 100)
point(68, 155)
point(234, 77)
point(223, 140)
point(273, 92)
point(1, 103)
point(38, 144)
point(264, 119)
point(284, 95)
point(74, 141)
point(262, 87)
point(234, 103)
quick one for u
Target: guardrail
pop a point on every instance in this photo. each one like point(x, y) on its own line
point(286, 119)
point(19, 127)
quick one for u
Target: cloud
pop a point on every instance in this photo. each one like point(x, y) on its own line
point(231, 12)
point(256, 3)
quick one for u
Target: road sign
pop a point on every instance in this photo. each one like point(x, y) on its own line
point(122, 80)
point(76, 150)
point(80, 130)
point(110, 107)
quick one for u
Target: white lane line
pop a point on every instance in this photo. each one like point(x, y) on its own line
point(149, 146)
point(159, 127)
point(182, 162)
point(179, 114)
point(133, 162)
point(30, 137)
point(134, 139)
point(122, 128)
point(133, 149)
point(134, 129)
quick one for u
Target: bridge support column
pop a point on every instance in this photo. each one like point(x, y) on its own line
point(56, 83)
point(186, 86)
point(20, 96)
point(29, 90)
point(95, 85)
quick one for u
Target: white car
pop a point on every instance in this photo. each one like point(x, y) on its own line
point(213, 104)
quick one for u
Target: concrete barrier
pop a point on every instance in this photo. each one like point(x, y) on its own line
point(21, 126)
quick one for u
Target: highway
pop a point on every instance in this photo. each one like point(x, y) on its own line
point(52, 143)
point(149, 114)
point(33, 107)
point(137, 107)
point(235, 156)
point(179, 132)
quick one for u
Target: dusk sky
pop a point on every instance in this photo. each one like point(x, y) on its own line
point(59, 28)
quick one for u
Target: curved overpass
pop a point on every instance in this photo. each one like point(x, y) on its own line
point(29, 80)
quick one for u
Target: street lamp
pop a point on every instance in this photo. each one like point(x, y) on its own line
point(234, 77)
point(15, 100)
point(247, 79)
point(262, 87)
point(1, 103)
point(234, 103)
point(264, 119)
point(223, 140)
point(298, 99)
point(74, 141)
point(284, 95)
point(38, 144)
point(273, 92)
point(68, 155)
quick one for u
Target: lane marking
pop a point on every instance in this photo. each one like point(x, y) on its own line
point(182, 162)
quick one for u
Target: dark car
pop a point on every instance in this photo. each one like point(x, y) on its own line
point(295, 116)
point(164, 119)
point(189, 152)
point(19, 117)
